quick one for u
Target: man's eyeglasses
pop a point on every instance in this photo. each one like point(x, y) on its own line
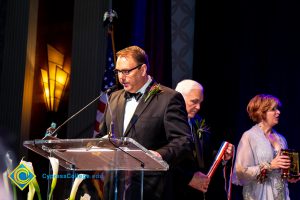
point(126, 72)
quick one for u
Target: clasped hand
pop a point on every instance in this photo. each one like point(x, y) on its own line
point(283, 162)
point(280, 162)
point(294, 180)
point(229, 152)
point(200, 181)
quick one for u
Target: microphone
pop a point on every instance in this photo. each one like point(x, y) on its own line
point(107, 92)
point(112, 137)
point(111, 133)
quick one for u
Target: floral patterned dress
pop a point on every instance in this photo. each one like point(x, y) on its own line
point(255, 150)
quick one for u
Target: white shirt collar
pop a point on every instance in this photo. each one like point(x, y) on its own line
point(143, 89)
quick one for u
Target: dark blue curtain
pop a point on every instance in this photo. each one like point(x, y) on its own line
point(148, 25)
point(244, 48)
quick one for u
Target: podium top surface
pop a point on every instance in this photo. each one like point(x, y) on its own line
point(98, 154)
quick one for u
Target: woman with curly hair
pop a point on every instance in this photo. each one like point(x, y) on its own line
point(259, 162)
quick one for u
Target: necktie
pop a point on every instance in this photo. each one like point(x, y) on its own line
point(129, 95)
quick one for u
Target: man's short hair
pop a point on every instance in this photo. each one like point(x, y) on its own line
point(137, 53)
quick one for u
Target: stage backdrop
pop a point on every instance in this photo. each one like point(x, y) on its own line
point(236, 49)
point(240, 49)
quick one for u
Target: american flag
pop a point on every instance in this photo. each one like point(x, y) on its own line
point(108, 81)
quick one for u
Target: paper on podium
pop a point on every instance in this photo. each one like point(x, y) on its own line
point(218, 159)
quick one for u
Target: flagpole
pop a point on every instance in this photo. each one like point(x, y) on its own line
point(108, 19)
point(112, 36)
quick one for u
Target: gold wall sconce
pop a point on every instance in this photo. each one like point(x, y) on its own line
point(54, 78)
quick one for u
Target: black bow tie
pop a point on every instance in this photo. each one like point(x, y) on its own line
point(129, 95)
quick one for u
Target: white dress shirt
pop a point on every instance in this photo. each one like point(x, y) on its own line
point(132, 103)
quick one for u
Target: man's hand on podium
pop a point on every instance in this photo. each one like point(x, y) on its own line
point(156, 154)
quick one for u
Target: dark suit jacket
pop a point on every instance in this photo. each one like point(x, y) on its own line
point(200, 160)
point(159, 124)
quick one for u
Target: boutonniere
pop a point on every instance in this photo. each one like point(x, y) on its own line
point(155, 89)
point(201, 127)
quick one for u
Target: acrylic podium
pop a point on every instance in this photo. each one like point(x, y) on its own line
point(119, 158)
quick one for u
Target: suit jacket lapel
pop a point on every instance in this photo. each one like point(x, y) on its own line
point(140, 108)
point(198, 146)
point(120, 111)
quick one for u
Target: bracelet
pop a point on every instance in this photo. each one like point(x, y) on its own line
point(267, 166)
point(264, 168)
point(262, 176)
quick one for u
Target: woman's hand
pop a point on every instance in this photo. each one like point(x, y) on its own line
point(280, 162)
point(294, 180)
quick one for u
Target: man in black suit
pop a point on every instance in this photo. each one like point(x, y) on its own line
point(190, 180)
point(151, 114)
